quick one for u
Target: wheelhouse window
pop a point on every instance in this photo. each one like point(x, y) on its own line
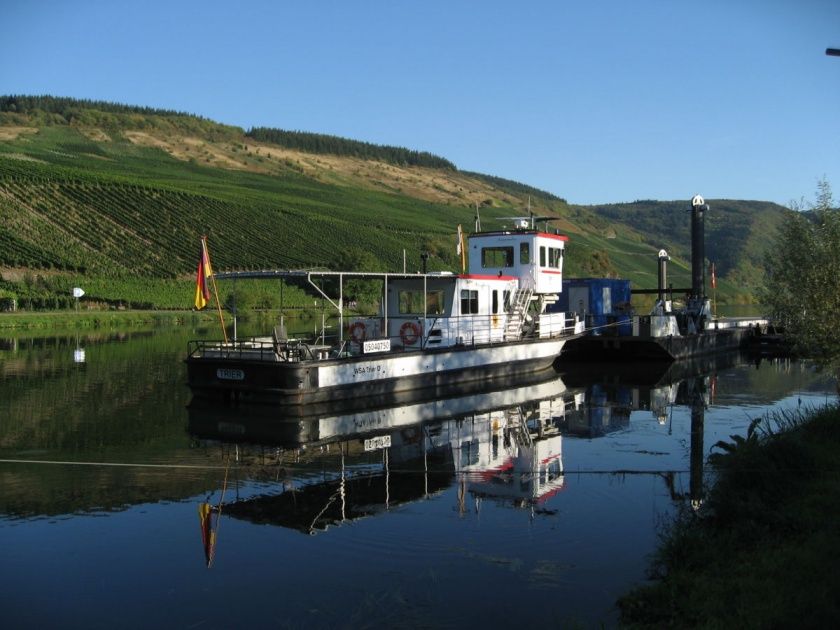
point(555, 256)
point(542, 255)
point(524, 253)
point(411, 302)
point(469, 302)
point(496, 257)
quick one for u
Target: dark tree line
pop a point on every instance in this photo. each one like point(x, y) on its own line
point(21, 104)
point(335, 145)
point(515, 188)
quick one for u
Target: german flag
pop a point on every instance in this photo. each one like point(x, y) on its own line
point(202, 290)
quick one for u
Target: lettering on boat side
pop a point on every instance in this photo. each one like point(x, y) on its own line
point(367, 369)
point(229, 374)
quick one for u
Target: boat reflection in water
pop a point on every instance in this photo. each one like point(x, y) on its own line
point(334, 468)
point(505, 446)
point(613, 391)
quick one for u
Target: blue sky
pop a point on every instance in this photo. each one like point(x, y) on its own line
point(594, 101)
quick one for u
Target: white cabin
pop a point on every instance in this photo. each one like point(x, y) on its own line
point(448, 310)
point(534, 258)
point(513, 276)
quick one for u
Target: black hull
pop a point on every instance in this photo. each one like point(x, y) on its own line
point(295, 385)
point(654, 348)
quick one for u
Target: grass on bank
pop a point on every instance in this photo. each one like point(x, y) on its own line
point(102, 319)
point(763, 549)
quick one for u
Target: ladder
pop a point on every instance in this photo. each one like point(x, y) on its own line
point(517, 310)
point(518, 427)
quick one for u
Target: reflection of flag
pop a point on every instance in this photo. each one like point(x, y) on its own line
point(714, 280)
point(202, 290)
point(208, 534)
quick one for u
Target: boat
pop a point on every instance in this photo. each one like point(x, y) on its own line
point(665, 334)
point(489, 322)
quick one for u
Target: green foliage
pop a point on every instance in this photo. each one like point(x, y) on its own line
point(335, 145)
point(803, 278)
point(514, 187)
point(760, 551)
point(131, 216)
point(737, 232)
point(598, 265)
point(53, 110)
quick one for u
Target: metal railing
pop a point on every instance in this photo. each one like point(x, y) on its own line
point(289, 350)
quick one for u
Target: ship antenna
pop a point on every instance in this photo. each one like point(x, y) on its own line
point(530, 213)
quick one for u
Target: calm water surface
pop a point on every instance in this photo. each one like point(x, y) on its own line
point(525, 505)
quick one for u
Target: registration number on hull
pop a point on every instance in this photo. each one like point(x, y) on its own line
point(230, 374)
point(375, 443)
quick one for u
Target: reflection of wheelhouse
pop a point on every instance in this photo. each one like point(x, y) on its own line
point(532, 475)
point(522, 462)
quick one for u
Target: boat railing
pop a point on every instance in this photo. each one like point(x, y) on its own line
point(415, 331)
point(256, 349)
point(437, 332)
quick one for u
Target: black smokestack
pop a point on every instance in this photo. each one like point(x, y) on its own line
point(698, 250)
point(663, 273)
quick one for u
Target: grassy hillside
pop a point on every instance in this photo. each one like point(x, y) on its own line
point(736, 232)
point(116, 197)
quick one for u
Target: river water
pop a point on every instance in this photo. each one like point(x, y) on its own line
point(122, 505)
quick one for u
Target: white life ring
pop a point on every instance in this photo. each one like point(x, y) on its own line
point(357, 332)
point(410, 333)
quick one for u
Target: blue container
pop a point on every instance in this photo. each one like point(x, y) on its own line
point(603, 303)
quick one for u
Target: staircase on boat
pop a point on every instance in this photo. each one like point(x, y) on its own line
point(517, 310)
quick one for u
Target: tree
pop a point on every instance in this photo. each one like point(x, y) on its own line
point(802, 287)
point(366, 294)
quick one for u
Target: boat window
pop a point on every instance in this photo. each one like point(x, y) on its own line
point(469, 302)
point(411, 302)
point(524, 253)
point(506, 300)
point(555, 255)
point(469, 453)
point(495, 302)
point(542, 255)
point(497, 256)
point(434, 302)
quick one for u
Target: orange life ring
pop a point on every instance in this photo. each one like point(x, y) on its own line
point(409, 333)
point(357, 332)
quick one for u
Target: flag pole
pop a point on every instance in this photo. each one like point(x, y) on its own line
point(461, 251)
point(215, 288)
point(714, 291)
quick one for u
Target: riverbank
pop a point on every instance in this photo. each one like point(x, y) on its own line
point(101, 319)
point(762, 550)
point(87, 319)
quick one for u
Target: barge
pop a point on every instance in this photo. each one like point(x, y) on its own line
point(488, 323)
point(667, 333)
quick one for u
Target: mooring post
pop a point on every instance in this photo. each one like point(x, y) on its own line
point(698, 253)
